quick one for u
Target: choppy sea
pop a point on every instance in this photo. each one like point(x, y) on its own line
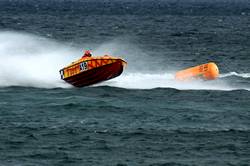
point(141, 118)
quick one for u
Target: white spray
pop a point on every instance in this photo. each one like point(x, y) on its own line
point(28, 60)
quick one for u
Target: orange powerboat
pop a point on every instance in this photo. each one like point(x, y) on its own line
point(91, 70)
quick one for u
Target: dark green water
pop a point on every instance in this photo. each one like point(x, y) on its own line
point(112, 126)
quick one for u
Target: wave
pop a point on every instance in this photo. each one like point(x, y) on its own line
point(243, 75)
point(166, 80)
point(34, 61)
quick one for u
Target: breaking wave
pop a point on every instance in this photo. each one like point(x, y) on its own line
point(150, 81)
point(243, 75)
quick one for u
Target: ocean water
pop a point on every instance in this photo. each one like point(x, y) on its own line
point(143, 117)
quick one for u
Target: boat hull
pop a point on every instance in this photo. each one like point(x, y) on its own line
point(96, 75)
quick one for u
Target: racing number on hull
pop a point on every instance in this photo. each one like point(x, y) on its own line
point(83, 66)
point(62, 74)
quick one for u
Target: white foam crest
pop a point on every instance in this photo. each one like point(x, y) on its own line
point(32, 61)
point(243, 75)
point(166, 80)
